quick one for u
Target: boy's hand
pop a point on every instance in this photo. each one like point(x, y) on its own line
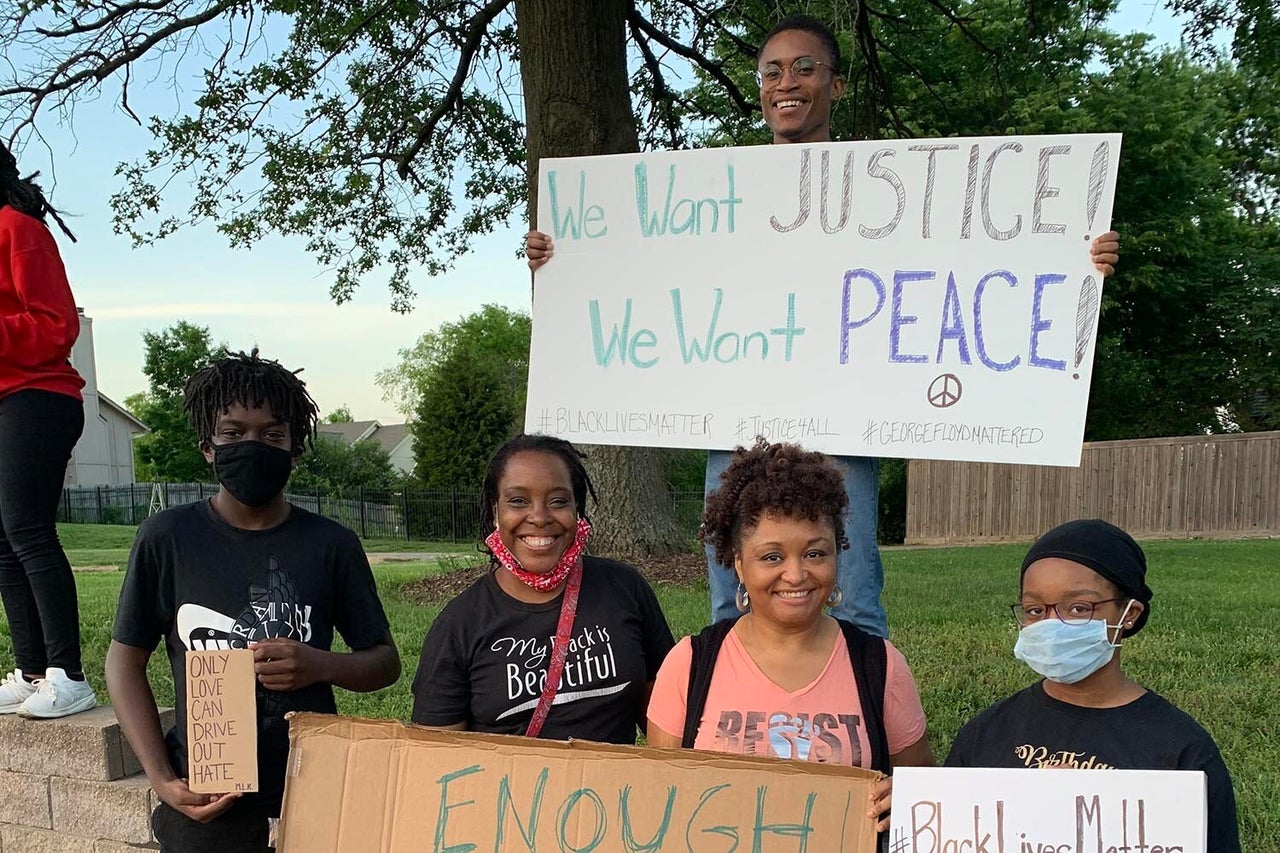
point(199, 807)
point(284, 665)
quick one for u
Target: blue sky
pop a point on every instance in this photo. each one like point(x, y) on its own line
point(273, 296)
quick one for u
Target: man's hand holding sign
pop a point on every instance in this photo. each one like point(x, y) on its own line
point(813, 293)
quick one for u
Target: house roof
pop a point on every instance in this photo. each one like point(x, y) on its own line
point(348, 432)
point(391, 436)
point(138, 426)
point(388, 437)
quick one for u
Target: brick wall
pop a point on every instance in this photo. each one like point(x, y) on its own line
point(72, 786)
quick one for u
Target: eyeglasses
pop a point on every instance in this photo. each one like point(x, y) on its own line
point(771, 74)
point(1071, 612)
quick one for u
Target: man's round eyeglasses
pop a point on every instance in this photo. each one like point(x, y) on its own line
point(1071, 612)
point(771, 73)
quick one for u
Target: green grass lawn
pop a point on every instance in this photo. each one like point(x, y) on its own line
point(108, 544)
point(1210, 647)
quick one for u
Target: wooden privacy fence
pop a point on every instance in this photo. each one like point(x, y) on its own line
point(1219, 485)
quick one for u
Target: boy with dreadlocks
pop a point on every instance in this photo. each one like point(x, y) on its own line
point(41, 417)
point(244, 569)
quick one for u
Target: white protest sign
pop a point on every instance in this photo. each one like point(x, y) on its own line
point(973, 810)
point(914, 298)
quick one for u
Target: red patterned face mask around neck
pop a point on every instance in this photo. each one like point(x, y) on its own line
point(559, 572)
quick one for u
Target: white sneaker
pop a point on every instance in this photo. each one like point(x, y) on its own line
point(14, 690)
point(58, 696)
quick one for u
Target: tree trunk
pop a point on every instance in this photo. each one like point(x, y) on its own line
point(573, 63)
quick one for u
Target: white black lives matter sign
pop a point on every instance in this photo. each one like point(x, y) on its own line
point(913, 298)
point(976, 810)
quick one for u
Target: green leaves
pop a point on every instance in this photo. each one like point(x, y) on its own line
point(311, 120)
point(336, 468)
point(170, 451)
point(304, 135)
point(464, 386)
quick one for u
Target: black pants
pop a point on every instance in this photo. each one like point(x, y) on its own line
point(240, 829)
point(38, 430)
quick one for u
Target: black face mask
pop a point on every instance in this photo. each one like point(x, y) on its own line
point(251, 471)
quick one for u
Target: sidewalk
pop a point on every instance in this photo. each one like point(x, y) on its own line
point(379, 557)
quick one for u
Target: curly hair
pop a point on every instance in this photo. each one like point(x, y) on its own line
point(248, 380)
point(783, 479)
point(557, 447)
point(807, 24)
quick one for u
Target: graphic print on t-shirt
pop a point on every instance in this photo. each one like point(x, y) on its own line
point(1041, 756)
point(274, 610)
point(824, 738)
point(590, 663)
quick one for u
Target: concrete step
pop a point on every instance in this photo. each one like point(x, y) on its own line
point(85, 746)
point(81, 809)
point(119, 810)
point(25, 839)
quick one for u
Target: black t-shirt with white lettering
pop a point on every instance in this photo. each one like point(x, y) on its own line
point(486, 656)
point(199, 583)
point(1032, 729)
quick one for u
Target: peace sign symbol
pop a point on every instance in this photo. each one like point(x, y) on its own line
point(945, 391)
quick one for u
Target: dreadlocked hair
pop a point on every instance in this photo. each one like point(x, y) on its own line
point(250, 381)
point(557, 447)
point(24, 194)
point(772, 479)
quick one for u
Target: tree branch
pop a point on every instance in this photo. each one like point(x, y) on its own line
point(910, 66)
point(951, 16)
point(661, 94)
point(105, 66)
point(107, 19)
point(715, 69)
point(475, 33)
point(877, 81)
point(712, 16)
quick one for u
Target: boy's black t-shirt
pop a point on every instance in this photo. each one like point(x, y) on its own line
point(486, 655)
point(199, 583)
point(1032, 729)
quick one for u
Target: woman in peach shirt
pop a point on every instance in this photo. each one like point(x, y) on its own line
point(786, 679)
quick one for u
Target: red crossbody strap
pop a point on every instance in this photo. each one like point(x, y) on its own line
point(560, 650)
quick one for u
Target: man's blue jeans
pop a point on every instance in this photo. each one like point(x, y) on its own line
point(859, 572)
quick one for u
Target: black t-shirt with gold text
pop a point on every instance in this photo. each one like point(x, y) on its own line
point(1032, 729)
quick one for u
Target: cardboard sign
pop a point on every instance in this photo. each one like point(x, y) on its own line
point(947, 810)
point(222, 722)
point(915, 298)
point(364, 786)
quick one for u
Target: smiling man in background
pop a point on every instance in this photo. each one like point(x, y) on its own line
point(798, 71)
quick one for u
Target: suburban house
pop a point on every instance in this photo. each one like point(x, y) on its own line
point(396, 439)
point(104, 454)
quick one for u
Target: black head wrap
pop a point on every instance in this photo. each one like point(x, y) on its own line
point(1107, 550)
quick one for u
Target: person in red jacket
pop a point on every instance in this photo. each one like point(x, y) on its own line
point(41, 418)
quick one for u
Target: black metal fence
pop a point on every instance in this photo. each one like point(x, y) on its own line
point(435, 515)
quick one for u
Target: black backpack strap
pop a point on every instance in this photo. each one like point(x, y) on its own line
point(870, 672)
point(705, 648)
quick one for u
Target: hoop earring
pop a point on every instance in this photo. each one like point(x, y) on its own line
point(835, 596)
point(741, 598)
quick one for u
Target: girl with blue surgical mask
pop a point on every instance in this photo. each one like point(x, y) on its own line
point(1084, 594)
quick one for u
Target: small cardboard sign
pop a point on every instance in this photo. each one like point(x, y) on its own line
point(363, 785)
point(944, 809)
point(222, 722)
